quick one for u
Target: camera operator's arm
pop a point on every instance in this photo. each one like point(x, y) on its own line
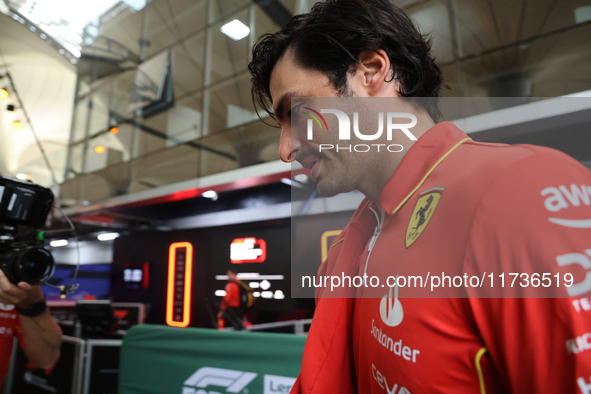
point(42, 337)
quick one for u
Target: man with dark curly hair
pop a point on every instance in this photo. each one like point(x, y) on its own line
point(472, 206)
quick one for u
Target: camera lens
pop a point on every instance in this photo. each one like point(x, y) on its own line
point(34, 265)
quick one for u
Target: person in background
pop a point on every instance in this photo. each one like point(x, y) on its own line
point(232, 311)
point(24, 314)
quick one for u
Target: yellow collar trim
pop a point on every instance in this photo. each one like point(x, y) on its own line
point(429, 173)
point(479, 355)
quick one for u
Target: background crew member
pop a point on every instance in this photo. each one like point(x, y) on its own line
point(232, 311)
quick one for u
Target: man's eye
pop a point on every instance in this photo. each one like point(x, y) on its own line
point(295, 113)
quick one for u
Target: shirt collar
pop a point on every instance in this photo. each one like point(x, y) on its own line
point(418, 163)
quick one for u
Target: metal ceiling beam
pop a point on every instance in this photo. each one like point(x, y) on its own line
point(275, 10)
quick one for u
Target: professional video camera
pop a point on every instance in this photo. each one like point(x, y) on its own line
point(24, 207)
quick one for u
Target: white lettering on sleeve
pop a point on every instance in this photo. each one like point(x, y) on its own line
point(584, 386)
point(582, 260)
point(556, 201)
point(576, 195)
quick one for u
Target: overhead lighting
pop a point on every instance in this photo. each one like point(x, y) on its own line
point(583, 14)
point(210, 194)
point(17, 125)
point(3, 93)
point(236, 30)
point(303, 178)
point(99, 149)
point(114, 130)
point(220, 293)
point(289, 182)
point(108, 236)
point(22, 177)
point(58, 242)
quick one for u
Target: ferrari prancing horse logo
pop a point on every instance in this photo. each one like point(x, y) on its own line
point(422, 213)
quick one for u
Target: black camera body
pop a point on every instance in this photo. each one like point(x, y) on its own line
point(23, 259)
point(31, 264)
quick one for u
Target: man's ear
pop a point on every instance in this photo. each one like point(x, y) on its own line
point(371, 75)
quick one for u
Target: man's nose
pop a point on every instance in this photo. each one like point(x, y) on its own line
point(288, 146)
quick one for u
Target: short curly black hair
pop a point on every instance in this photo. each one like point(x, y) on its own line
point(330, 39)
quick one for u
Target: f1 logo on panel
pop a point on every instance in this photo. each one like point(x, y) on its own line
point(233, 381)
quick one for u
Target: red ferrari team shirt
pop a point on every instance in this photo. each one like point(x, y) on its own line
point(232, 297)
point(485, 208)
point(9, 328)
point(500, 208)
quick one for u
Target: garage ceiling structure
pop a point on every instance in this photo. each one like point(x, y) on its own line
point(506, 48)
point(45, 81)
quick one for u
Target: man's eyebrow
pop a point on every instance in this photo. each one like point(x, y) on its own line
point(283, 104)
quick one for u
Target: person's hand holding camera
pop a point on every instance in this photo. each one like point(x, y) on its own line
point(21, 295)
point(41, 335)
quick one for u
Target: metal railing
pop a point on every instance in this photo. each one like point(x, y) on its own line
point(300, 327)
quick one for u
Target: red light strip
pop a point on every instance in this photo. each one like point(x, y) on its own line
point(146, 277)
point(176, 286)
point(195, 192)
